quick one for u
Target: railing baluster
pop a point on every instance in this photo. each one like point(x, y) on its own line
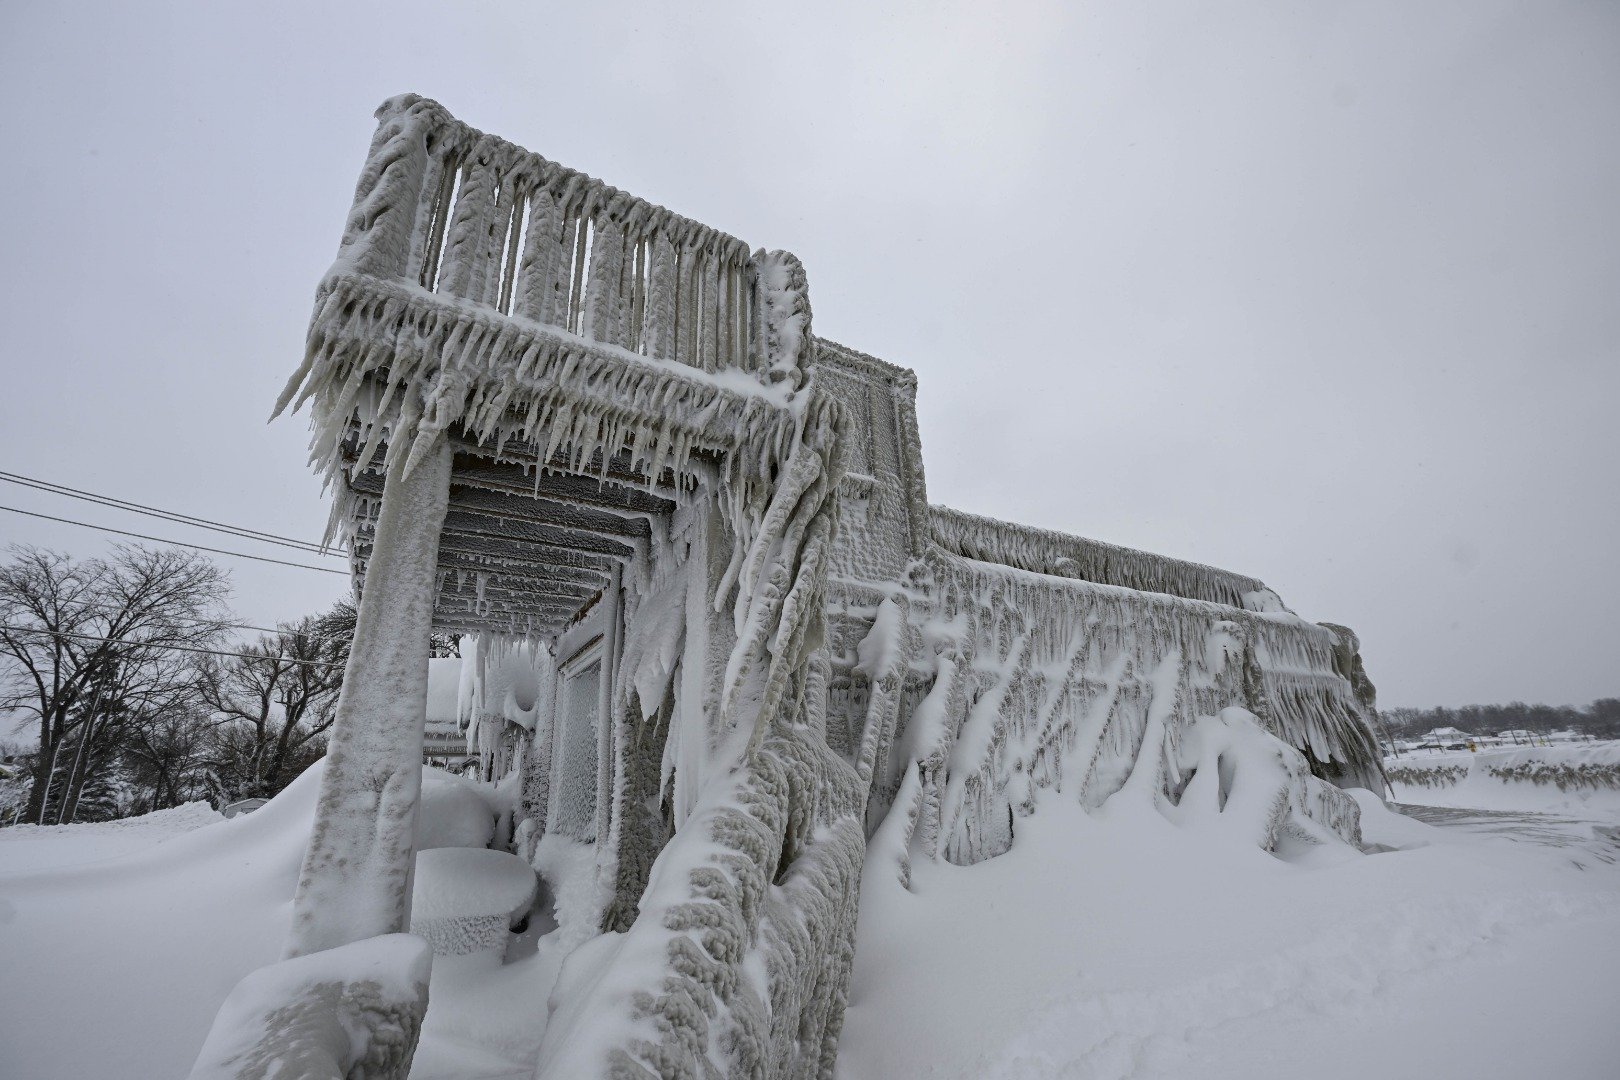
point(686, 309)
point(438, 181)
point(542, 280)
point(384, 218)
point(658, 339)
point(724, 333)
point(710, 323)
point(466, 252)
point(734, 324)
point(602, 294)
point(576, 299)
point(505, 225)
point(635, 313)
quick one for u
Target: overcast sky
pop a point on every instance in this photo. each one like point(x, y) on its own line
point(1327, 293)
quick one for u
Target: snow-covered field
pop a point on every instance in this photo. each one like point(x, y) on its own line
point(1102, 945)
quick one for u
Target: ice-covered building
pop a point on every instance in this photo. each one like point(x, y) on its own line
point(718, 629)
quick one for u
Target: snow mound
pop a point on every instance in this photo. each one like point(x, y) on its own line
point(1246, 782)
point(45, 847)
point(1124, 946)
point(454, 813)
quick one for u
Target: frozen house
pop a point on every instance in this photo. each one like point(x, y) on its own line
point(713, 626)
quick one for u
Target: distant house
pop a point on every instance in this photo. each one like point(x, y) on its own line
point(443, 742)
point(1444, 737)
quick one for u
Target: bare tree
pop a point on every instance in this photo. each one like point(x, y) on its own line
point(340, 621)
point(90, 648)
point(168, 757)
point(273, 705)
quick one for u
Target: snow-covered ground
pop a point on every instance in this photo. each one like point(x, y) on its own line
point(1102, 945)
point(1124, 946)
point(121, 940)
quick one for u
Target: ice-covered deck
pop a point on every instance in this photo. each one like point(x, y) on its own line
point(523, 552)
point(586, 354)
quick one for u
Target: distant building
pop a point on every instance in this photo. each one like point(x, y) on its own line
point(443, 742)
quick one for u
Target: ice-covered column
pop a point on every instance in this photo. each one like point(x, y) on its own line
point(356, 879)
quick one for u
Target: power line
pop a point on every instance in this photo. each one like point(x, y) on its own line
point(176, 648)
point(245, 626)
point(176, 543)
point(165, 515)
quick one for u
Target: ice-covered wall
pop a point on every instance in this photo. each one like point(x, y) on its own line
point(1006, 658)
point(883, 502)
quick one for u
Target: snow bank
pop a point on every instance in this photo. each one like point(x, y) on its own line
point(1249, 784)
point(199, 911)
point(39, 847)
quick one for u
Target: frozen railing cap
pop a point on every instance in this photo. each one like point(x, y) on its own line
point(459, 213)
point(1044, 551)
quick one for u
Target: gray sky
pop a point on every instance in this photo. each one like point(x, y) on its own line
point(1321, 292)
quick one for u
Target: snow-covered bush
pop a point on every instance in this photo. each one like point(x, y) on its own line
point(1428, 774)
point(1563, 775)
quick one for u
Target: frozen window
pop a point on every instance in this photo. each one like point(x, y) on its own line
point(576, 767)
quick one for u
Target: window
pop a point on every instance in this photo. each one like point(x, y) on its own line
point(574, 775)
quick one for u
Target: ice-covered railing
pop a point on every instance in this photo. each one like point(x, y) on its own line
point(460, 213)
point(1044, 551)
point(482, 288)
point(1039, 680)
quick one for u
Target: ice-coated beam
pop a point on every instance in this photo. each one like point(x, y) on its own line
point(528, 508)
point(498, 552)
point(528, 574)
point(563, 487)
point(499, 528)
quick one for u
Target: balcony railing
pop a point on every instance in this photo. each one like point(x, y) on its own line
point(465, 215)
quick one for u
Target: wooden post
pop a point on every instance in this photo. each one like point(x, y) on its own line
point(357, 874)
